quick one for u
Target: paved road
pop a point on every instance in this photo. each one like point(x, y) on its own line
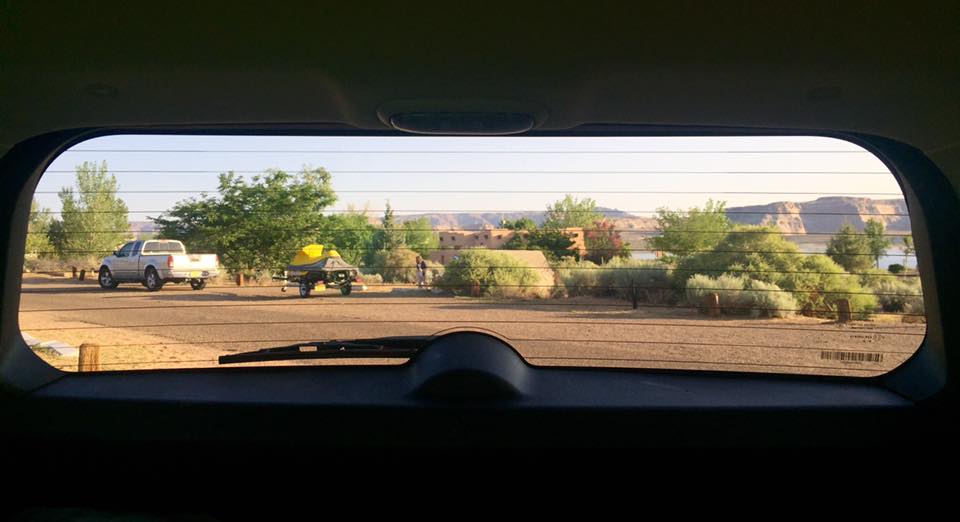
point(179, 327)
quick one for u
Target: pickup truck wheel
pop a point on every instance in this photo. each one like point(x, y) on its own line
point(345, 290)
point(305, 288)
point(105, 278)
point(151, 280)
point(198, 284)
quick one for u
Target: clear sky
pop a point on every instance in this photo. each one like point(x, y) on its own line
point(433, 174)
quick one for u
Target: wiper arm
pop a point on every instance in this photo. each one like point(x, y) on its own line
point(378, 348)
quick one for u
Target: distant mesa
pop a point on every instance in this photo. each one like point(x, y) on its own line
point(822, 215)
point(825, 215)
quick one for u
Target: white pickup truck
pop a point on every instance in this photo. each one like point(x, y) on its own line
point(154, 262)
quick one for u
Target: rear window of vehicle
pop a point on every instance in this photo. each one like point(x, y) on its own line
point(759, 254)
point(163, 247)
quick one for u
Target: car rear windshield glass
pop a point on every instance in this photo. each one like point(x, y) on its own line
point(761, 254)
point(154, 247)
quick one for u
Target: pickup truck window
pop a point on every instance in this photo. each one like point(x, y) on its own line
point(163, 247)
point(126, 249)
point(777, 254)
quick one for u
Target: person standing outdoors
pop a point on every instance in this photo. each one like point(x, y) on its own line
point(421, 272)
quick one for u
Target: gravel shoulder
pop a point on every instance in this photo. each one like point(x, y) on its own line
point(181, 328)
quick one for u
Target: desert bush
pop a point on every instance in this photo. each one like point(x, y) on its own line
point(727, 287)
point(434, 271)
point(498, 275)
point(897, 294)
point(372, 279)
point(578, 277)
point(819, 282)
point(895, 268)
point(767, 300)
point(873, 276)
point(757, 252)
point(49, 264)
point(617, 276)
point(915, 307)
point(395, 266)
point(742, 296)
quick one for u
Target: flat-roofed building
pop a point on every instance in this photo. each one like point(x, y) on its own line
point(453, 241)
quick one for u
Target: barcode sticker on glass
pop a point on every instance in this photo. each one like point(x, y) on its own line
point(852, 356)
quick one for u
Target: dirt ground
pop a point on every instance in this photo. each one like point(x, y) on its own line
point(181, 328)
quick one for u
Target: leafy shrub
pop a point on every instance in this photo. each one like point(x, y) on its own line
point(757, 252)
point(617, 276)
point(498, 275)
point(895, 268)
point(767, 299)
point(578, 277)
point(727, 287)
point(434, 271)
point(47, 264)
point(742, 296)
point(819, 282)
point(395, 266)
point(900, 295)
point(873, 276)
point(372, 279)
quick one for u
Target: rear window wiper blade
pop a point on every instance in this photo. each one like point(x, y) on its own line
point(377, 348)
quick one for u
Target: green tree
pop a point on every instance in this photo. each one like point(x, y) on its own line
point(603, 242)
point(93, 219)
point(761, 253)
point(419, 236)
point(571, 212)
point(819, 282)
point(553, 243)
point(256, 224)
point(850, 249)
point(350, 233)
point(755, 251)
point(685, 234)
point(38, 231)
point(518, 224)
point(908, 248)
point(391, 234)
point(877, 241)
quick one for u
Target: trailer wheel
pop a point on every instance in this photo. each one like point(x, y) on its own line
point(345, 290)
point(305, 288)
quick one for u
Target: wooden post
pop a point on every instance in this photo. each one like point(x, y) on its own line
point(713, 305)
point(89, 360)
point(74, 272)
point(634, 293)
point(843, 310)
point(83, 274)
point(475, 289)
point(240, 279)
